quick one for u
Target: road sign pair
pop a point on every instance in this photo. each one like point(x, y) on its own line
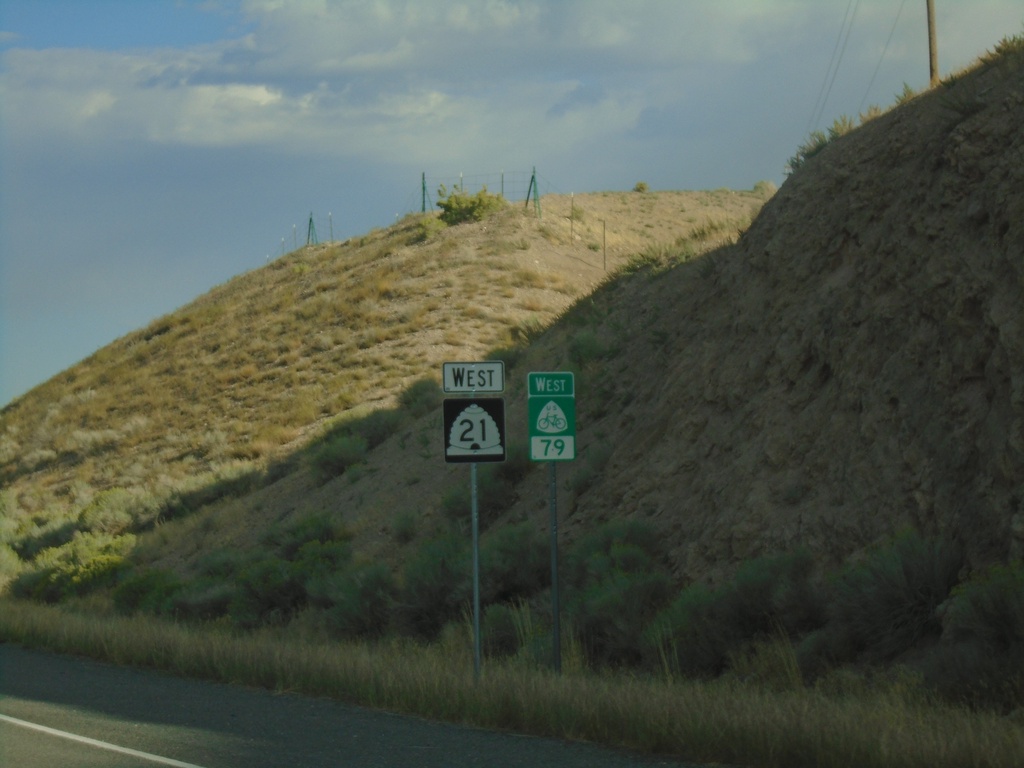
point(474, 428)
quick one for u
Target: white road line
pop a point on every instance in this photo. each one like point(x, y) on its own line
point(96, 743)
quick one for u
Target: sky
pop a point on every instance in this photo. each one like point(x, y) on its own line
point(153, 149)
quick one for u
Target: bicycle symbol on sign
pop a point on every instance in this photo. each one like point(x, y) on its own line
point(551, 419)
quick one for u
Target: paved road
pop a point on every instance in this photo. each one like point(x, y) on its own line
point(152, 717)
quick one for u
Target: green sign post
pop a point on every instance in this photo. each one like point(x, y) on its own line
point(551, 409)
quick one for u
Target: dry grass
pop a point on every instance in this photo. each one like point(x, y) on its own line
point(723, 721)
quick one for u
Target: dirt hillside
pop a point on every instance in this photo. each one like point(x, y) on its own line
point(171, 418)
point(855, 364)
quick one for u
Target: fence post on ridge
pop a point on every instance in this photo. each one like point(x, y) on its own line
point(532, 189)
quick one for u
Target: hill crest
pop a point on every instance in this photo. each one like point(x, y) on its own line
point(247, 375)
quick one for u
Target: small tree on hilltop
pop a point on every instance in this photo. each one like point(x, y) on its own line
point(456, 206)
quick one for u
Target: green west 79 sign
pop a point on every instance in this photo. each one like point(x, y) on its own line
point(551, 408)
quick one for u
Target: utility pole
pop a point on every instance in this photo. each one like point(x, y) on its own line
point(933, 48)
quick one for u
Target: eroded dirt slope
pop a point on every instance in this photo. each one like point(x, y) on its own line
point(855, 364)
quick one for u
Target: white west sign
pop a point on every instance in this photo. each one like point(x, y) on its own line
point(474, 378)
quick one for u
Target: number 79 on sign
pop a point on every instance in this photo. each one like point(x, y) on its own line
point(552, 447)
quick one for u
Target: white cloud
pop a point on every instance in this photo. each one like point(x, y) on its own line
point(411, 80)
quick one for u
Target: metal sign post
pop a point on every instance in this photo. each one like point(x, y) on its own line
point(551, 405)
point(476, 571)
point(474, 431)
point(556, 626)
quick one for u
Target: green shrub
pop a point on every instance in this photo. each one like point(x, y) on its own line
point(981, 656)
point(989, 609)
point(652, 259)
point(508, 355)
point(377, 426)
point(511, 629)
point(588, 471)
point(426, 229)
point(436, 585)
point(89, 561)
point(818, 140)
point(221, 563)
point(109, 512)
point(405, 526)
point(456, 505)
point(517, 462)
point(421, 397)
point(204, 599)
point(588, 556)
point(841, 126)
point(690, 637)
point(315, 558)
point(640, 186)
point(100, 571)
point(615, 587)
point(361, 601)
point(9, 528)
point(703, 628)
point(287, 540)
point(768, 664)
point(527, 331)
point(772, 593)
point(268, 591)
point(587, 346)
point(514, 563)
point(346, 445)
point(885, 605)
point(228, 482)
point(969, 672)
point(498, 630)
point(10, 565)
point(495, 491)
point(457, 207)
point(907, 94)
point(1009, 47)
point(815, 142)
point(337, 453)
point(55, 532)
point(149, 591)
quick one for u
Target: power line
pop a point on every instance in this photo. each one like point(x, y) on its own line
point(840, 46)
point(831, 61)
point(839, 61)
point(885, 50)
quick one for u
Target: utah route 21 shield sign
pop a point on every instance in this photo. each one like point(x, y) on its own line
point(474, 429)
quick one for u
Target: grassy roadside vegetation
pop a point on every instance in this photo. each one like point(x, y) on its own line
point(892, 724)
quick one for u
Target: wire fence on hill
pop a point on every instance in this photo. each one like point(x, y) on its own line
point(512, 185)
point(516, 186)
